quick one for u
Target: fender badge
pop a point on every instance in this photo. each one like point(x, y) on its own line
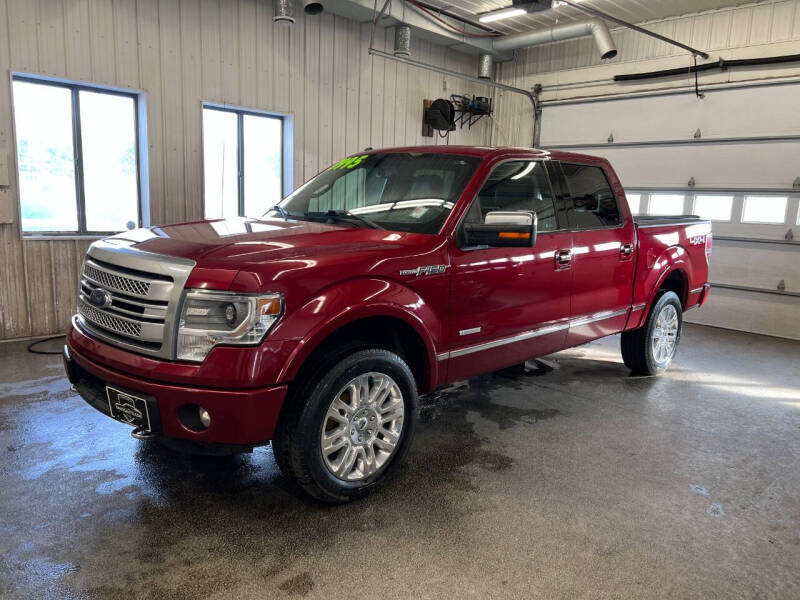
point(426, 270)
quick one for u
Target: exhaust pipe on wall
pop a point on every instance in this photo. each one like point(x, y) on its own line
point(284, 12)
point(402, 41)
point(486, 66)
point(594, 27)
point(313, 7)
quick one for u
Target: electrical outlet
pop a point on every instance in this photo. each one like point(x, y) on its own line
point(4, 162)
point(6, 205)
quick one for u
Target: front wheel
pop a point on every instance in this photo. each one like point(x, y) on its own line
point(352, 427)
point(650, 349)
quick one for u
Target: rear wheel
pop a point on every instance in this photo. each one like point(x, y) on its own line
point(650, 349)
point(350, 427)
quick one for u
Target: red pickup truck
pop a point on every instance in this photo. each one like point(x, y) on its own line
point(388, 274)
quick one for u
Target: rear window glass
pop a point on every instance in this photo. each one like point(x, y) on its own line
point(592, 204)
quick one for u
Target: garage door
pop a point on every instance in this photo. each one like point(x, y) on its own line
point(733, 156)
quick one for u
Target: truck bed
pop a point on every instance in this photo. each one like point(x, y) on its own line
point(677, 244)
point(657, 221)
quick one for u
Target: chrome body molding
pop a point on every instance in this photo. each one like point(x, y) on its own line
point(470, 331)
point(533, 333)
point(601, 316)
point(638, 307)
point(143, 293)
point(697, 290)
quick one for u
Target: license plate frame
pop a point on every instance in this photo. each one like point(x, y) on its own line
point(128, 408)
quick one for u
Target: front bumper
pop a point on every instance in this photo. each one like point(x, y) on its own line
point(238, 417)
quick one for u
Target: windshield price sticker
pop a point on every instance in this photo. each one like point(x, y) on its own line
point(349, 163)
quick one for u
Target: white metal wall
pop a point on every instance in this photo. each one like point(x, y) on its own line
point(749, 139)
point(184, 52)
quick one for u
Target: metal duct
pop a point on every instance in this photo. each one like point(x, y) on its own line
point(594, 27)
point(284, 12)
point(486, 66)
point(313, 7)
point(402, 41)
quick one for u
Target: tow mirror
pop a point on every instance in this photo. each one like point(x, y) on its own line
point(503, 229)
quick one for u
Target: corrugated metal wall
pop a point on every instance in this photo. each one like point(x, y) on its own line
point(182, 53)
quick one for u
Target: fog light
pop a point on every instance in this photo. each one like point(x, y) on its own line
point(194, 418)
point(205, 418)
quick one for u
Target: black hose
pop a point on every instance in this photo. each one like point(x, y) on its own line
point(721, 64)
point(32, 346)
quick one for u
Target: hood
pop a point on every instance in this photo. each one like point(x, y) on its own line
point(239, 242)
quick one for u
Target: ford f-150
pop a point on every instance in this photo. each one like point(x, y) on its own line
point(387, 275)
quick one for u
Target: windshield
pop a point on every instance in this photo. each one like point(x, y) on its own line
point(396, 191)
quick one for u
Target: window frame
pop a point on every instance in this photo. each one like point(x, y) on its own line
point(667, 192)
point(241, 112)
point(719, 195)
point(557, 203)
point(641, 202)
point(140, 134)
point(567, 196)
point(786, 209)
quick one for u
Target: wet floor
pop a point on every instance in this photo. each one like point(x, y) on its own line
point(568, 479)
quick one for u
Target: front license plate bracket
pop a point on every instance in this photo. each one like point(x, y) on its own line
point(128, 408)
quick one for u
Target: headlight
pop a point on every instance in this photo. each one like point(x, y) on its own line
point(212, 318)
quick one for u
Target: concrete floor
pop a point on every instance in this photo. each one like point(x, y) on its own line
point(581, 482)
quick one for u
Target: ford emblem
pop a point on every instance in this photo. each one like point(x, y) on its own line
point(100, 298)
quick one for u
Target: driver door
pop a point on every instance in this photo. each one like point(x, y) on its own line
point(510, 304)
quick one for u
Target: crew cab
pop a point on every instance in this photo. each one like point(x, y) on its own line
point(387, 275)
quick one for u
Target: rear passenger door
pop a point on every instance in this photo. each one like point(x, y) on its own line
point(602, 260)
point(509, 304)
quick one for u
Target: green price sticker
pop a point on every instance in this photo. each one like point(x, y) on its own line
point(349, 163)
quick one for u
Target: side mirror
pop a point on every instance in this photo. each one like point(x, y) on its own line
point(503, 229)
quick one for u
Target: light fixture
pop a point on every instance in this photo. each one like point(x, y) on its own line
point(503, 13)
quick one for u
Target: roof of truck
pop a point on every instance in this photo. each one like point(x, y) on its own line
point(486, 152)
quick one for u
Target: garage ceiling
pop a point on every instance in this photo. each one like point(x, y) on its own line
point(635, 11)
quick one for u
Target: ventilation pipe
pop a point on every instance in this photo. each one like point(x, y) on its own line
point(313, 7)
point(594, 27)
point(485, 66)
point(402, 41)
point(284, 12)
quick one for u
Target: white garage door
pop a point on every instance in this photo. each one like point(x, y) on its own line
point(733, 156)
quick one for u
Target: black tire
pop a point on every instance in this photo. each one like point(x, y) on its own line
point(297, 444)
point(637, 347)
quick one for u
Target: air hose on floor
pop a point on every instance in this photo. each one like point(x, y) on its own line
point(33, 350)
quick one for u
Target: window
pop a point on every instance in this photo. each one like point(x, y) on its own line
point(78, 157)
point(592, 203)
point(764, 209)
point(634, 203)
point(395, 191)
point(666, 204)
point(243, 162)
point(516, 185)
point(714, 208)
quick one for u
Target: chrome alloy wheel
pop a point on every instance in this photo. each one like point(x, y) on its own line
point(362, 426)
point(665, 335)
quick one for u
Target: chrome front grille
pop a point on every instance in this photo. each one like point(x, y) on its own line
point(136, 297)
point(128, 285)
point(107, 321)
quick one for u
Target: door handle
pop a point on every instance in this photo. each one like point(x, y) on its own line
point(626, 250)
point(563, 259)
